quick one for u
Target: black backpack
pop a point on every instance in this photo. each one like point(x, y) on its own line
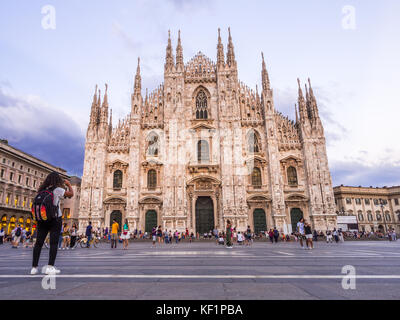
point(43, 208)
point(18, 232)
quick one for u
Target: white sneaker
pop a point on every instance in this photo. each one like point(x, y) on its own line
point(50, 270)
point(34, 270)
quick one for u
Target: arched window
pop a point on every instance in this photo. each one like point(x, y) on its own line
point(152, 144)
point(117, 184)
point(253, 142)
point(151, 179)
point(360, 216)
point(370, 217)
point(256, 178)
point(201, 105)
point(387, 216)
point(292, 176)
point(378, 216)
point(203, 153)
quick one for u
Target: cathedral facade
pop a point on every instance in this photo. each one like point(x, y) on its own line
point(203, 148)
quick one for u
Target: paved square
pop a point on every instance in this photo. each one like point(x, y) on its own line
point(204, 270)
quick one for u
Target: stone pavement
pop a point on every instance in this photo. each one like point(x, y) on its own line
point(206, 271)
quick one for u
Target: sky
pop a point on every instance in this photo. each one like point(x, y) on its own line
point(349, 49)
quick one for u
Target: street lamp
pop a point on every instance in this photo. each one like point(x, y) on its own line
point(383, 213)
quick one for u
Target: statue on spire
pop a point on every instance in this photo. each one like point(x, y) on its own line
point(138, 80)
point(231, 53)
point(169, 58)
point(264, 75)
point(220, 51)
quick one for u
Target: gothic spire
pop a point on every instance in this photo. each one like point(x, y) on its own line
point(220, 51)
point(93, 111)
point(169, 58)
point(264, 75)
point(313, 101)
point(301, 103)
point(179, 53)
point(231, 53)
point(138, 80)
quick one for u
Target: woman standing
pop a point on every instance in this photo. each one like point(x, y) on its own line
point(159, 234)
point(125, 235)
point(65, 236)
point(54, 183)
point(228, 234)
point(74, 234)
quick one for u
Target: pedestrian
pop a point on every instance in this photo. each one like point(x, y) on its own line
point(125, 235)
point(309, 236)
point(74, 234)
point(114, 234)
point(16, 234)
point(228, 234)
point(300, 231)
point(335, 235)
point(240, 238)
point(53, 184)
point(28, 238)
point(328, 236)
point(88, 234)
point(341, 235)
point(247, 236)
point(315, 235)
point(176, 236)
point(154, 236)
point(2, 234)
point(159, 234)
point(65, 236)
point(276, 234)
point(166, 238)
point(271, 235)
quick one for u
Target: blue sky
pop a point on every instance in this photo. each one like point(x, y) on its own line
point(47, 77)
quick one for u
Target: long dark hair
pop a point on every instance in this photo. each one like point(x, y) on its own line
point(53, 180)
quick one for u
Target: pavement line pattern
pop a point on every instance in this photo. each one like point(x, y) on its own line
point(289, 254)
point(165, 276)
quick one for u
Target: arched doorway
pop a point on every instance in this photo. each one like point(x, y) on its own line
point(150, 220)
point(117, 215)
point(295, 215)
point(204, 215)
point(259, 221)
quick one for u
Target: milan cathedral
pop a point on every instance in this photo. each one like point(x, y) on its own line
point(203, 148)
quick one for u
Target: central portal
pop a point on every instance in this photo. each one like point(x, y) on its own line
point(204, 215)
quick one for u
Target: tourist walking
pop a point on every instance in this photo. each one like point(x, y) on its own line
point(228, 234)
point(154, 236)
point(335, 235)
point(309, 236)
point(341, 236)
point(17, 232)
point(166, 238)
point(329, 236)
point(125, 235)
point(55, 185)
point(300, 231)
point(248, 236)
point(276, 234)
point(159, 234)
point(114, 234)
point(88, 234)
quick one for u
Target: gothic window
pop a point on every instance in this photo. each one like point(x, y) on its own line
point(117, 179)
point(201, 105)
point(292, 176)
point(370, 217)
point(152, 144)
point(256, 178)
point(360, 217)
point(253, 141)
point(151, 179)
point(367, 201)
point(378, 216)
point(203, 153)
point(348, 201)
point(387, 216)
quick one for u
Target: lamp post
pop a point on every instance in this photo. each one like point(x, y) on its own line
point(383, 213)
